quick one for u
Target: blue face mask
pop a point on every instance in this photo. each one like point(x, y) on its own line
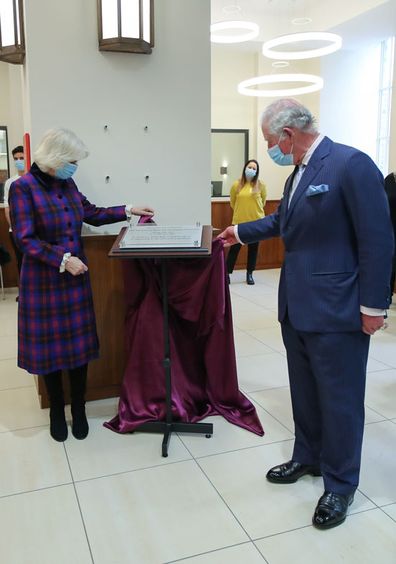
point(19, 165)
point(66, 171)
point(279, 157)
point(250, 172)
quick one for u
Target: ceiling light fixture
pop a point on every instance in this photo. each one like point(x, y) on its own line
point(280, 64)
point(251, 33)
point(314, 83)
point(301, 21)
point(232, 9)
point(334, 43)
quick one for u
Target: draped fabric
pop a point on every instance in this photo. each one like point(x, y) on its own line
point(203, 365)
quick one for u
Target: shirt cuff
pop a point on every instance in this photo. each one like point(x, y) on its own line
point(62, 266)
point(372, 311)
point(128, 211)
point(236, 235)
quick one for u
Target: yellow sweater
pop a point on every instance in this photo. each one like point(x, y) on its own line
point(247, 205)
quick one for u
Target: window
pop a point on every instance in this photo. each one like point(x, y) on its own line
point(385, 103)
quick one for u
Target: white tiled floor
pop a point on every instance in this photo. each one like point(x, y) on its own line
point(112, 499)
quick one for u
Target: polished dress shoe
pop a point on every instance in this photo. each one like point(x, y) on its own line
point(331, 510)
point(249, 279)
point(290, 472)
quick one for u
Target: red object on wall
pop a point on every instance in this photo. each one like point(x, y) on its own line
point(26, 146)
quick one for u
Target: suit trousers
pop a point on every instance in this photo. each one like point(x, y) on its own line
point(233, 255)
point(327, 373)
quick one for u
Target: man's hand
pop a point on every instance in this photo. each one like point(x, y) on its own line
point(228, 236)
point(75, 266)
point(371, 323)
point(142, 210)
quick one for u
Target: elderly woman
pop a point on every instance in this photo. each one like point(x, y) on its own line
point(56, 320)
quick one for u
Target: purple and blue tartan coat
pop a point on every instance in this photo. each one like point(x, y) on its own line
point(56, 319)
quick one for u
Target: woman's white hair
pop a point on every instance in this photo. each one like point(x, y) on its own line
point(288, 112)
point(58, 147)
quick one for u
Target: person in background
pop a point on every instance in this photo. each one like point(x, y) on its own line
point(333, 295)
point(247, 199)
point(19, 162)
point(56, 320)
point(390, 189)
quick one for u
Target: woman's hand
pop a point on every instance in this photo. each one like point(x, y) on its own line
point(142, 210)
point(228, 236)
point(75, 266)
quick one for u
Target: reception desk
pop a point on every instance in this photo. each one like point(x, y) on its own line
point(105, 374)
point(271, 252)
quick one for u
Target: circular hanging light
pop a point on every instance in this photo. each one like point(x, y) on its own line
point(301, 21)
point(250, 31)
point(313, 83)
point(334, 43)
point(232, 9)
point(280, 64)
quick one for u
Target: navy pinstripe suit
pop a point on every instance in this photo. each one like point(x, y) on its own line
point(338, 252)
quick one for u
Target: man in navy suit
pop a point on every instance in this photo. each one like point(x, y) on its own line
point(333, 294)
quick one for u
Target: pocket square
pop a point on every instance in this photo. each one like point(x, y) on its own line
point(319, 189)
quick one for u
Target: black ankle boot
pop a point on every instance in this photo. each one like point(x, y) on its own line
point(78, 384)
point(58, 426)
point(80, 427)
point(249, 278)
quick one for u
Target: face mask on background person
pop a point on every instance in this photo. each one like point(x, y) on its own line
point(19, 164)
point(279, 157)
point(250, 172)
point(66, 171)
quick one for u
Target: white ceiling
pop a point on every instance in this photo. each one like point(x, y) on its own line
point(275, 17)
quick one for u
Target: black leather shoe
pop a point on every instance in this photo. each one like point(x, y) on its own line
point(249, 279)
point(331, 510)
point(290, 472)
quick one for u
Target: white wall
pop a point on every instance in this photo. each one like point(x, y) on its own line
point(230, 110)
point(70, 83)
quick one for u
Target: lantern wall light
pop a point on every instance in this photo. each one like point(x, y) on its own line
point(12, 41)
point(126, 26)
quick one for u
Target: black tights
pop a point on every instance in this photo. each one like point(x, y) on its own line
point(233, 255)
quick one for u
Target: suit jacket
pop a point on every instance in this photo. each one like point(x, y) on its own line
point(338, 241)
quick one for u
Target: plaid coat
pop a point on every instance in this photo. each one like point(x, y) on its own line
point(56, 320)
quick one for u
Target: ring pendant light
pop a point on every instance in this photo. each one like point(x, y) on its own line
point(250, 30)
point(334, 42)
point(312, 84)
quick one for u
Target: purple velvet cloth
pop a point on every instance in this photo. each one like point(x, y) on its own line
point(204, 375)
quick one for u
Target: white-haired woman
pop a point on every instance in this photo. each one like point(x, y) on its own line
point(56, 320)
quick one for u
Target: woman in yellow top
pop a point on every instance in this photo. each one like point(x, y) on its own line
point(247, 199)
